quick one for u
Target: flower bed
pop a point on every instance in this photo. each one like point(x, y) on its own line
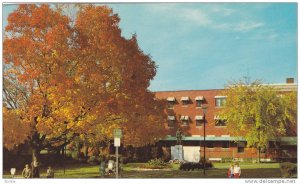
point(156, 164)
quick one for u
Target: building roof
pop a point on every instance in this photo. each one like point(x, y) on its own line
point(201, 138)
point(280, 87)
point(282, 140)
point(284, 87)
point(291, 141)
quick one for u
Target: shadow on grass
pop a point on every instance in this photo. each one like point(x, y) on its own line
point(211, 173)
point(87, 171)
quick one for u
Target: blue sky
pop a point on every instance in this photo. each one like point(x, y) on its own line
point(204, 45)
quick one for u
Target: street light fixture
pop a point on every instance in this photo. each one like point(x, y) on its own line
point(204, 109)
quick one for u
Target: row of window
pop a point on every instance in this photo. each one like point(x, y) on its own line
point(240, 146)
point(171, 123)
point(199, 121)
point(219, 101)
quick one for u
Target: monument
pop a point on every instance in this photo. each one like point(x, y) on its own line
point(177, 150)
point(178, 136)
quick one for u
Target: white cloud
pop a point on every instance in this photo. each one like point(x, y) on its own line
point(268, 34)
point(273, 36)
point(222, 11)
point(247, 26)
point(211, 16)
point(162, 7)
point(223, 26)
point(196, 16)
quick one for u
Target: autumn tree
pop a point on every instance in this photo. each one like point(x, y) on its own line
point(77, 79)
point(13, 136)
point(259, 112)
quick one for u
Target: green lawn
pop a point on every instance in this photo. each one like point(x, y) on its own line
point(249, 170)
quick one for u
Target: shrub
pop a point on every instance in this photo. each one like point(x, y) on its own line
point(202, 160)
point(194, 165)
point(156, 161)
point(190, 166)
point(288, 169)
point(157, 164)
point(93, 160)
point(125, 160)
point(74, 155)
point(208, 164)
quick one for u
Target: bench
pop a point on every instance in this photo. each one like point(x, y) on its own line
point(265, 160)
point(215, 159)
point(238, 159)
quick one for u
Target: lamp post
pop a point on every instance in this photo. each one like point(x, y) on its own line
point(64, 157)
point(204, 109)
point(117, 143)
point(64, 147)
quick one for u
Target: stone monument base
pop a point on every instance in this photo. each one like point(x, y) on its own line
point(177, 152)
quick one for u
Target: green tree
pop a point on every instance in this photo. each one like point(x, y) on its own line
point(259, 112)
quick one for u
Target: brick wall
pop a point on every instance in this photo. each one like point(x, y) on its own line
point(191, 110)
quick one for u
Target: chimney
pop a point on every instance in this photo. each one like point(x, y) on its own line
point(289, 80)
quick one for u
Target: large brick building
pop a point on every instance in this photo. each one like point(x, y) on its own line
point(185, 111)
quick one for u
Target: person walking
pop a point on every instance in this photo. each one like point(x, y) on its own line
point(13, 172)
point(35, 168)
point(50, 172)
point(230, 172)
point(102, 167)
point(26, 173)
point(237, 170)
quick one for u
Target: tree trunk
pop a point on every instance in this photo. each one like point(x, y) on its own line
point(86, 148)
point(78, 148)
point(35, 162)
point(36, 154)
point(258, 154)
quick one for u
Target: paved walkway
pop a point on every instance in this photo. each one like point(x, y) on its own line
point(144, 169)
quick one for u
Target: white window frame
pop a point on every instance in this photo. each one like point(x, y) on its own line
point(220, 101)
point(199, 120)
point(184, 120)
point(171, 102)
point(199, 99)
point(185, 100)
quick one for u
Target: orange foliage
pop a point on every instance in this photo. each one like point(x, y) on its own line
point(82, 79)
point(15, 131)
